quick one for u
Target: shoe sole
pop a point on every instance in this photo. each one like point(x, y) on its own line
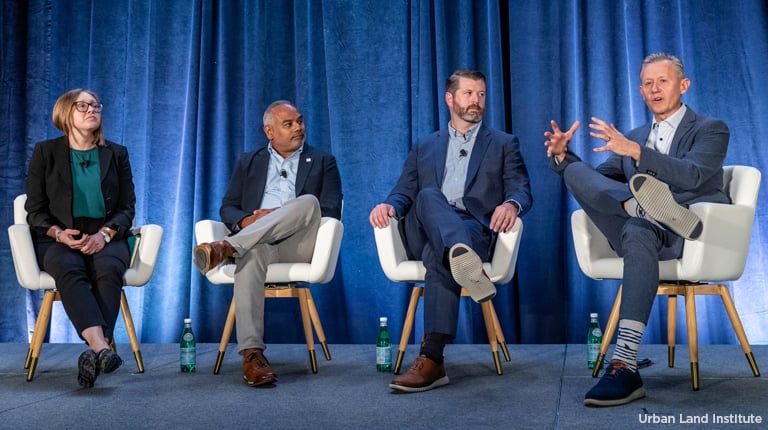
point(86, 369)
point(438, 383)
point(658, 203)
point(270, 381)
point(111, 364)
point(202, 257)
point(637, 394)
point(467, 271)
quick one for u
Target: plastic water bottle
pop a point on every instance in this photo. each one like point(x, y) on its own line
point(383, 348)
point(594, 339)
point(188, 348)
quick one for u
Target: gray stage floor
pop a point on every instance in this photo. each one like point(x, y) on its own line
point(542, 388)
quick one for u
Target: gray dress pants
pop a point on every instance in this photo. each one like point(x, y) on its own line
point(286, 235)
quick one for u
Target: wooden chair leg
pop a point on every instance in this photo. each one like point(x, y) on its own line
point(228, 325)
point(725, 295)
point(693, 337)
point(307, 324)
point(410, 317)
point(41, 326)
point(492, 340)
point(500, 334)
point(317, 324)
point(671, 328)
point(610, 329)
point(128, 319)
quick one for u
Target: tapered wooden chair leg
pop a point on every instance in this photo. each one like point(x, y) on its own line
point(410, 317)
point(225, 337)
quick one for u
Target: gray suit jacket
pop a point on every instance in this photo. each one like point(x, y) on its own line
point(693, 169)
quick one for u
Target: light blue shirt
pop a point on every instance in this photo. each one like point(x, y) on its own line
point(281, 178)
point(456, 163)
point(662, 133)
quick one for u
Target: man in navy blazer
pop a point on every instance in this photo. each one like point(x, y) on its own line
point(459, 187)
point(638, 198)
point(273, 206)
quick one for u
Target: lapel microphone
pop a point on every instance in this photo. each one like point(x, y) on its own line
point(462, 153)
point(283, 174)
point(85, 163)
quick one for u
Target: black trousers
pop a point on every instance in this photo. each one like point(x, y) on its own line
point(89, 285)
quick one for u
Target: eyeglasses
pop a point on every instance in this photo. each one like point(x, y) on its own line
point(83, 106)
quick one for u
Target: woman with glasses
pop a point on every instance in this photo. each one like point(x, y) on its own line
point(80, 206)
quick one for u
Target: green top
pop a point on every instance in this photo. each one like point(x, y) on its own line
point(87, 200)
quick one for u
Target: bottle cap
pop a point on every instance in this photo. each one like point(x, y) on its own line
point(593, 315)
point(187, 320)
point(383, 320)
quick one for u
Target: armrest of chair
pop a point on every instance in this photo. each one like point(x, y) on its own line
point(143, 264)
point(326, 253)
point(504, 260)
point(393, 257)
point(210, 231)
point(593, 252)
point(720, 253)
point(24, 260)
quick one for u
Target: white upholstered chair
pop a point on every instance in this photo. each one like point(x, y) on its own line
point(719, 256)
point(283, 280)
point(398, 268)
point(30, 276)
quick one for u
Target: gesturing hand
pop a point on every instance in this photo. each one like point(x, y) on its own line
point(557, 143)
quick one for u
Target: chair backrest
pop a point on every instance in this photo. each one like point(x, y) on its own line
point(319, 270)
point(398, 268)
point(19, 213)
point(720, 254)
point(30, 276)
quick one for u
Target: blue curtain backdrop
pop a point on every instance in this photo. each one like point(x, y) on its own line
point(185, 84)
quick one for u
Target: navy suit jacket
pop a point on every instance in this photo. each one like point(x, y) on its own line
point(693, 169)
point(496, 173)
point(317, 174)
point(49, 187)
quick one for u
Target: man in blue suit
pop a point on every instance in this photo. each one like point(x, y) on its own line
point(459, 187)
point(273, 205)
point(638, 198)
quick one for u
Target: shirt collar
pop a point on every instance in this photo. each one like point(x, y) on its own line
point(274, 153)
point(470, 132)
point(674, 119)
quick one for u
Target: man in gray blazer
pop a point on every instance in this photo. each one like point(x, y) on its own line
point(638, 198)
point(273, 205)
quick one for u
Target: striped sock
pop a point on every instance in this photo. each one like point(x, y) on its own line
point(627, 342)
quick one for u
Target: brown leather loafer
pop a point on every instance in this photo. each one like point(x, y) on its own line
point(209, 255)
point(256, 368)
point(423, 375)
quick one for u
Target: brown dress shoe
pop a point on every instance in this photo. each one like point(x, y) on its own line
point(209, 255)
point(256, 368)
point(423, 375)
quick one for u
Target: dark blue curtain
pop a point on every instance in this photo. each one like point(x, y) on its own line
point(185, 84)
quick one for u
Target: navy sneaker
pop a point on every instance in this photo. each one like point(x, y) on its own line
point(618, 386)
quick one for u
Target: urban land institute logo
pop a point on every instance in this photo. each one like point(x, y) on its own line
point(707, 418)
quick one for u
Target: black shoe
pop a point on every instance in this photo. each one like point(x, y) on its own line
point(87, 369)
point(108, 361)
point(655, 198)
point(618, 386)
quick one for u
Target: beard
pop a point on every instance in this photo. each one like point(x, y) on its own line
point(471, 117)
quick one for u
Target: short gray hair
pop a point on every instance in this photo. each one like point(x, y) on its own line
point(663, 56)
point(268, 117)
